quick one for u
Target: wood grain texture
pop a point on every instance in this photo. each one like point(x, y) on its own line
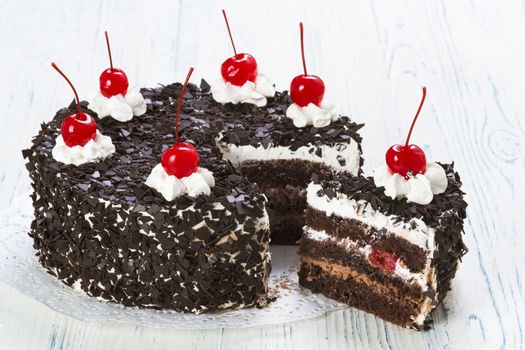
point(374, 56)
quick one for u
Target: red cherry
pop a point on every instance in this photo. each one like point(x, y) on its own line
point(239, 69)
point(383, 260)
point(78, 129)
point(113, 81)
point(306, 89)
point(180, 160)
point(407, 160)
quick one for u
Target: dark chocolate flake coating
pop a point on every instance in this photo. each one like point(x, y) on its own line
point(98, 225)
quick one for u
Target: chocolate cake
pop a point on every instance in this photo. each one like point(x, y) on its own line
point(98, 227)
point(389, 256)
point(171, 198)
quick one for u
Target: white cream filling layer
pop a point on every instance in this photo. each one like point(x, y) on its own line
point(94, 150)
point(254, 93)
point(340, 157)
point(414, 231)
point(119, 107)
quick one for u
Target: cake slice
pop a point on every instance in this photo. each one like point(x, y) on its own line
point(386, 256)
point(389, 245)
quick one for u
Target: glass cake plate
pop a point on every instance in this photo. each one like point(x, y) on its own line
point(19, 269)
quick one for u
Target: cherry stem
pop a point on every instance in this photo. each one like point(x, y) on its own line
point(179, 104)
point(229, 32)
point(417, 114)
point(70, 84)
point(302, 47)
point(109, 49)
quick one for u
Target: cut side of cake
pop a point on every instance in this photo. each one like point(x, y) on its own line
point(281, 158)
point(386, 256)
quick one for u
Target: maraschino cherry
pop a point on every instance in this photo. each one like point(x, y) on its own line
point(79, 128)
point(240, 68)
point(113, 81)
point(181, 159)
point(306, 89)
point(407, 160)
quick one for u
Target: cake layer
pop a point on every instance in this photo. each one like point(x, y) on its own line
point(338, 156)
point(405, 312)
point(279, 173)
point(332, 203)
point(401, 281)
point(344, 272)
point(414, 257)
point(100, 228)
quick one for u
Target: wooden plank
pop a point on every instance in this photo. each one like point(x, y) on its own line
point(373, 56)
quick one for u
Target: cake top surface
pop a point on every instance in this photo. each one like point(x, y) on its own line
point(141, 141)
point(247, 124)
point(139, 145)
point(450, 202)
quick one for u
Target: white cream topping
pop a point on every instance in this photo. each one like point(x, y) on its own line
point(254, 93)
point(94, 150)
point(414, 231)
point(119, 107)
point(418, 189)
point(318, 116)
point(340, 157)
point(171, 187)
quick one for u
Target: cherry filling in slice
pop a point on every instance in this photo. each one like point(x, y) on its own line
point(383, 260)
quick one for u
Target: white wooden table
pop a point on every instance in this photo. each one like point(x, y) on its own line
point(373, 56)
